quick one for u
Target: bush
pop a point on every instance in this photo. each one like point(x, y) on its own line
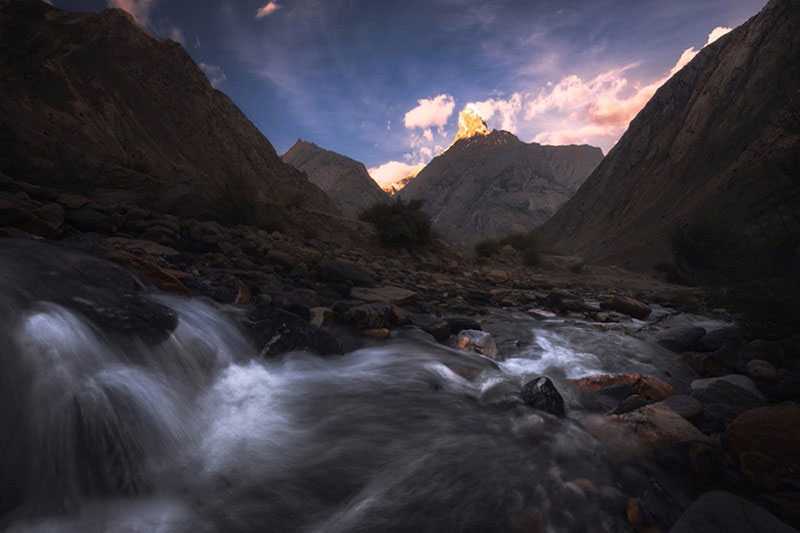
point(400, 224)
point(521, 241)
point(487, 247)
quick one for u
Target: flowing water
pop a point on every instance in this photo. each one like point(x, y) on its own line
point(190, 431)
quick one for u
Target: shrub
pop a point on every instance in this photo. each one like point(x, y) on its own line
point(400, 224)
point(487, 247)
point(520, 241)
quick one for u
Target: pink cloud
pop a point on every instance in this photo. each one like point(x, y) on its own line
point(392, 172)
point(598, 111)
point(138, 9)
point(267, 9)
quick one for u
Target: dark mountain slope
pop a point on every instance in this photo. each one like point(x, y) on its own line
point(718, 145)
point(93, 104)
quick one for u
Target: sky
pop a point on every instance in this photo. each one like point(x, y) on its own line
point(383, 81)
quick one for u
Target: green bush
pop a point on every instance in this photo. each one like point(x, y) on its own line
point(400, 224)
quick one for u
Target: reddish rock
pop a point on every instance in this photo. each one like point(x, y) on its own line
point(766, 444)
point(649, 387)
point(627, 306)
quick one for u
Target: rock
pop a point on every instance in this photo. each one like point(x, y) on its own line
point(684, 405)
point(770, 351)
point(432, 325)
point(459, 323)
point(643, 432)
point(205, 236)
point(281, 258)
point(503, 393)
point(723, 512)
point(649, 387)
point(761, 370)
point(90, 220)
point(378, 333)
point(743, 382)
point(540, 393)
point(498, 276)
point(477, 341)
point(389, 294)
point(373, 316)
point(276, 332)
point(766, 443)
point(723, 401)
point(345, 271)
point(541, 314)
point(681, 339)
point(716, 339)
point(631, 403)
point(139, 246)
point(320, 315)
point(627, 306)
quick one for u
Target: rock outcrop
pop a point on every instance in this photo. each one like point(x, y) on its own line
point(719, 141)
point(489, 184)
point(345, 180)
point(93, 104)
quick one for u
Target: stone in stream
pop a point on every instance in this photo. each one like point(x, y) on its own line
point(481, 342)
point(684, 405)
point(766, 444)
point(540, 393)
point(761, 370)
point(718, 338)
point(681, 339)
point(389, 294)
point(723, 512)
point(627, 306)
point(724, 398)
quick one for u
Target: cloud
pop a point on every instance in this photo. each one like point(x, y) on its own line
point(499, 113)
point(216, 76)
point(138, 9)
point(597, 111)
point(390, 173)
point(430, 112)
point(716, 33)
point(176, 34)
point(267, 9)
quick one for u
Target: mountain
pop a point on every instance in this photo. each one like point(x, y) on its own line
point(394, 188)
point(92, 104)
point(489, 183)
point(345, 180)
point(718, 144)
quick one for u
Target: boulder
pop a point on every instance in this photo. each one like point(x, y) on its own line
point(346, 272)
point(766, 443)
point(459, 323)
point(373, 316)
point(540, 393)
point(681, 339)
point(723, 512)
point(743, 382)
point(684, 405)
point(716, 339)
point(722, 401)
point(388, 294)
point(761, 370)
point(648, 387)
point(627, 306)
point(477, 341)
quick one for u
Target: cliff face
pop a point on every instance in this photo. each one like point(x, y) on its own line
point(491, 184)
point(345, 180)
point(720, 141)
point(93, 104)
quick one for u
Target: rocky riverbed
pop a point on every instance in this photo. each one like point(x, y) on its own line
point(434, 390)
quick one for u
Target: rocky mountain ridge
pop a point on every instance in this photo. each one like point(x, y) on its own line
point(489, 184)
point(345, 180)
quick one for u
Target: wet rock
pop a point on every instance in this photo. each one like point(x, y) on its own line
point(628, 306)
point(761, 370)
point(643, 432)
point(730, 336)
point(373, 316)
point(276, 332)
point(743, 382)
point(377, 333)
point(723, 512)
point(681, 339)
point(460, 323)
point(722, 401)
point(91, 220)
point(389, 294)
point(320, 315)
point(631, 403)
point(540, 393)
point(345, 271)
point(504, 393)
point(686, 406)
point(541, 314)
point(435, 326)
point(129, 315)
point(473, 340)
point(766, 444)
point(649, 387)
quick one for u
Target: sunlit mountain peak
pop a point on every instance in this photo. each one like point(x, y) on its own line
point(470, 124)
